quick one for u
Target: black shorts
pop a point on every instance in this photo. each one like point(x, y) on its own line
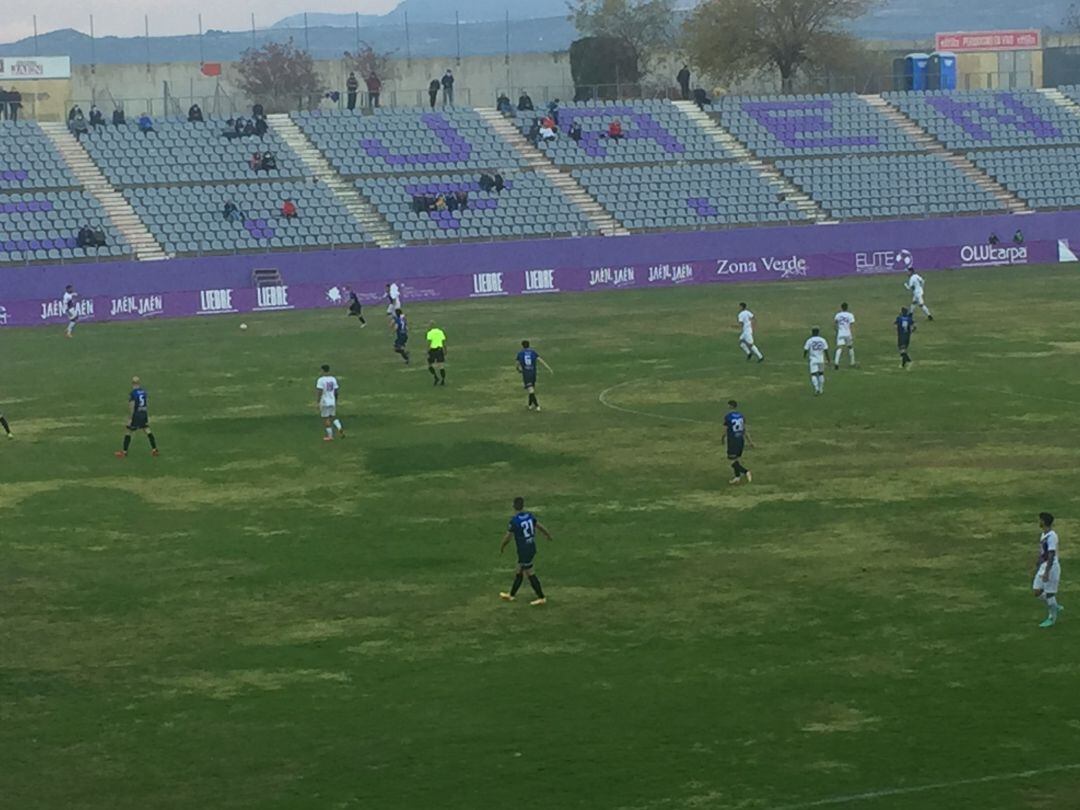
point(140, 420)
point(400, 341)
point(735, 448)
point(355, 309)
point(526, 561)
point(528, 381)
point(902, 345)
point(436, 355)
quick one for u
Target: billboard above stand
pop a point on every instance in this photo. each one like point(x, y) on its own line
point(16, 68)
point(973, 41)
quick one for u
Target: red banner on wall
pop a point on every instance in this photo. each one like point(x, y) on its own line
point(961, 41)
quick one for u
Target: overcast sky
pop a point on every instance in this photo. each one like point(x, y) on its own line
point(167, 17)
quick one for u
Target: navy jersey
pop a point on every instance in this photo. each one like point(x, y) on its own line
point(523, 527)
point(354, 299)
point(140, 398)
point(527, 359)
point(735, 423)
point(905, 325)
point(401, 325)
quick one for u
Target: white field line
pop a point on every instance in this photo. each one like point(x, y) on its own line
point(908, 791)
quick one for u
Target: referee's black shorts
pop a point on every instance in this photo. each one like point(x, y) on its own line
point(436, 356)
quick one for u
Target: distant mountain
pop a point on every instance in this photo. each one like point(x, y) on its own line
point(324, 20)
point(918, 19)
point(441, 11)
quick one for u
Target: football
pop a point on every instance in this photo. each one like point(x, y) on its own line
point(243, 326)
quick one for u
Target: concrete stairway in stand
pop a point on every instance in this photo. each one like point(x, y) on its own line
point(929, 143)
point(117, 208)
point(803, 201)
point(373, 223)
point(598, 217)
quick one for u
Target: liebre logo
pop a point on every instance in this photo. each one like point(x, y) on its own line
point(791, 267)
point(485, 284)
point(672, 273)
point(212, 302)
point(143, 306)
point(84, 308)
point(540, 281)
point(334, 295)
point(726, 267)
point(991, 256)
point(883, 261)
point(611, 277)
point(272, 298)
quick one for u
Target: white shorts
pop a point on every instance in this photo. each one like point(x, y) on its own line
point(747, 338)
point(73, 315)
point(917, 300)
point(817, 368)
point(327, 411)
point(844, 340)
point(392, 307)
point(1052, 582)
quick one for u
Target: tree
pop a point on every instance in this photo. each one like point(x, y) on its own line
point(730, 39)
point(644, 27)
point(1070, 23)
point(279, 76)
point(598, 65)
point(365, 60)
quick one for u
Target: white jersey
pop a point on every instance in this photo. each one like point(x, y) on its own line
point(394, 296)
point(328, 386)
point(69, 301)
point(746, 318)
point(844, 321)
point(816, 346)
point(915, 283)
point(1048, 541)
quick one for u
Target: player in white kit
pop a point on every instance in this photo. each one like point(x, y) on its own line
point(1048, 569)
point(393, 301)
point(746, 337)
point(326, 395)
point(845, 336)
point(917, 285)
point(816, 350)
point(68, 304)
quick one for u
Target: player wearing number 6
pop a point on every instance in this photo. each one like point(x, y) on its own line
point(527, 360)
point(736, 437)
point(523, 528)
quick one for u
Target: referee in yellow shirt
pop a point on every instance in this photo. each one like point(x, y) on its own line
point(436, 355)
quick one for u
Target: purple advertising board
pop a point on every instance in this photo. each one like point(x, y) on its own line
point(221, 285)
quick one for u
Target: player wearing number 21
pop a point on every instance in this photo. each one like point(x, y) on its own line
point(523, 528)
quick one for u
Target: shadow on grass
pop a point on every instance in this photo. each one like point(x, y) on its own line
point(427, 458)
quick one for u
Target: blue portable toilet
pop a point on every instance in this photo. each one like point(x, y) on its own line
point(915, 70)
point(946, 63)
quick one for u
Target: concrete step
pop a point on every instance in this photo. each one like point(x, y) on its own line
point(365, 214)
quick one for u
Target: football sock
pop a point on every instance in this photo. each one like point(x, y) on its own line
point(517, 585)
point(836, 361)
point(330, 432)
point(1052, 606)
point(534, 580)
point(821, 383)
point(432, 370)
point(337, 424)
point(361, 317)
point(70, 327)
point(746, 349)
point(851, 357)
point(4, 425)
point(926, 310)
point(127, 442)
point(739, 469)
point(442, 375)
point(153, 441)
point(533, 400)
point(757, 353)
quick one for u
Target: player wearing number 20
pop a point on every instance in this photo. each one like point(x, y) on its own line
point(523, 528)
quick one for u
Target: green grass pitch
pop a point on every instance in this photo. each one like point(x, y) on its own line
point(257, 619)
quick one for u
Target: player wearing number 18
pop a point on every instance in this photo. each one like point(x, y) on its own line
point(523, 528)
point(736, 437)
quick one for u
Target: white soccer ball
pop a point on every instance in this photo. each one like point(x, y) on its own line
point(243, 326)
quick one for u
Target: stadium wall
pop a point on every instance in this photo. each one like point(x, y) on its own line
point(223, 284)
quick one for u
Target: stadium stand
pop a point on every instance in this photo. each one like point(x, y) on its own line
point(182, 152)
point(689, 196)
point(864, 186)
point(527, 206)
point(190, 219)
point(28, 159)
point(1044, 178)
point(838, 124)
point(652, 132)
point(44, 225)
point(407, 141)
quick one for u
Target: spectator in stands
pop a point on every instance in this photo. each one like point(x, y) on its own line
point(288, 210)
point(269, 162)
point(524, 102)
point(993, 240)
point(255, 162)
point(352, 87)
point(374, 90)
point(194, 114)
point(533, 135)
point(85, 237)
point(614, 130)
point(440, 203)
point(503, 105)
point(462, 198)
point(249, 128)
point(547, 129)
point(683, 78)
point(448, 89)
point(231, 213)
point(5, 102)
point(97, 118)
point(78, 125)
point(14, 103)
point(487, 182)
point(146, 126)
point(118, 117)
point(500, 184)
point(701, 98)
point(451, 202)
point(260, 126)
point(575, 131)
point(72, 112)
point(1018, 237)
point(433, 91)
point(553, 112)
point(257, 110)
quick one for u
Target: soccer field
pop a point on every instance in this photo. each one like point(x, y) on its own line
point(259, 619)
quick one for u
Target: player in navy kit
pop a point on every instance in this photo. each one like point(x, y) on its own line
point(139, 419)
point(355, 308)
point(7, 428)
point(527, 360)
point(401, 334)
point(523, 528)
point(736, 437)
point(905, 326)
